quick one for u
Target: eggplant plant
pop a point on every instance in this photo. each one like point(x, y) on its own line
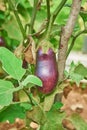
point(35, 72)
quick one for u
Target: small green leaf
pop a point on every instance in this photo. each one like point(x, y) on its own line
point(32, 79)
point(11, 64)
point(78, 122)
point(76, 78)
point(81, 69)
point(6, 92)
point(77, 73)
point(57, 105)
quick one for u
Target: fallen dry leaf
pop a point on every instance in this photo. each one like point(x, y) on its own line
point(75, 101)
point(17, 125)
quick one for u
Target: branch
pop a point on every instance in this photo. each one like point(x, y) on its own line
point(33, 15)
point(74, 39)
point(48, 9)
point(65, 36)
point(58, 9)
point(53, 17)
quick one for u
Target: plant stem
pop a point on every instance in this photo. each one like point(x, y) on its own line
point(17, 18)
point(33, 100)
point(39, 107)
point(28, 96)
point(33, 16)
point(48, 11)
point(74, 39)
point(53, 17)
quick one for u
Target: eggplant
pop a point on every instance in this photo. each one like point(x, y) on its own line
point(46, 70)
point(2, 42)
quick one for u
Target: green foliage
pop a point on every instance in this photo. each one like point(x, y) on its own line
point(47, 120)
point(6, 92)
point(57, 105)
point(54, 120)
point(26, 106)
point(83, 14)
point(81, 70)
point(76, 72)
point(49, 100)
point(78, 122)
point(37, 115)
point(32, 79)
point(11, 64)
point(12, 112)
point(12, 29)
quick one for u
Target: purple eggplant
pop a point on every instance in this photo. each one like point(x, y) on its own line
point(2, 42)
point(46, 70)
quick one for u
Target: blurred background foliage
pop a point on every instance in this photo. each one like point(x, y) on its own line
point(9, 28)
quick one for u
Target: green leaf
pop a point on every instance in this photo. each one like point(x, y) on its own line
point(77, 73)
point(40, 17)
point(11, 64)
point(72, 67)
point(83, 14)
point(24, 3)
point(36, 114)
point(51, 120)
point(26, 105)
point(56, 29)
point(48, 102)
point(32, 79)
point(81, 69)
point(78, 122)
point(6, 92)
point(76, 78)
point(54, 121)
point(12, 28)
point(57, 105)
point(12, 112)
point(49, 99)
